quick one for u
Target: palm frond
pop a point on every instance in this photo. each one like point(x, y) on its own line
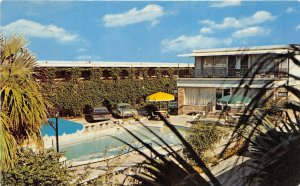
point(272, 133)
point(7, 144)
point(21, 99)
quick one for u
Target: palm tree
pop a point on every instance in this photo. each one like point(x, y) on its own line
point(23, 108)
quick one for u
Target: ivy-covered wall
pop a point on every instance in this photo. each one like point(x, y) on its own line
point(73, 94)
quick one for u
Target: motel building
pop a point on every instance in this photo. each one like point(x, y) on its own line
point(218, 72)
point(139, 70)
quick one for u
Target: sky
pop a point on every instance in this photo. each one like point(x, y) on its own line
point(147, 31)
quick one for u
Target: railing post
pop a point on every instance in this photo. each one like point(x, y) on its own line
point(56, 133)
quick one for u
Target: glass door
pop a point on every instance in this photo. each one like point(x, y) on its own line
point(221, 92)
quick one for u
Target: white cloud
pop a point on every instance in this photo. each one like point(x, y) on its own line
point(228, 22)
point(231, 22)
point(289, 10)
point(259, 17)
point(183, 43)
point(149, 13)
point(250, 32)
point(87, 58)
point(34, 29)
point(298, 27)
point(226, 3)
point(206, 30)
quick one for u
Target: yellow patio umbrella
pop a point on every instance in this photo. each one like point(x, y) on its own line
point(160, 96)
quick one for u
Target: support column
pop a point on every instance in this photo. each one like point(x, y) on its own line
point(181, 95)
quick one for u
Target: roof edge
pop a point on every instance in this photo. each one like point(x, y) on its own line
point(250, 49)
point(46, 63)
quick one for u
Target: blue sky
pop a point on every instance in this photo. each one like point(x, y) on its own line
point(147, 31)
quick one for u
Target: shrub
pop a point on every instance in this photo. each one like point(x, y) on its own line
point(203, 137)
point(42, 168)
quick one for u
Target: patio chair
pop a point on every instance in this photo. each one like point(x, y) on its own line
point(153, 116)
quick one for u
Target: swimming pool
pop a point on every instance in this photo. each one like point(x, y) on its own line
point(95, 148)
point(64, 127)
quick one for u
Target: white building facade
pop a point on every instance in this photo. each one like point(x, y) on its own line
point(221, 72)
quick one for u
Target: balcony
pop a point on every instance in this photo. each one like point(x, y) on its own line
point(211, 72)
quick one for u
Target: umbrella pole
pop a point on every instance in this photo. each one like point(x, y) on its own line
point(167, 106)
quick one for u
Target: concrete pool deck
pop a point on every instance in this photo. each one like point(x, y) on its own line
point(181, 120)
point(80, 136)
point(69, 139)
point(129, 160)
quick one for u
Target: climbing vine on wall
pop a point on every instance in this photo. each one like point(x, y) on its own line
point(70, 97)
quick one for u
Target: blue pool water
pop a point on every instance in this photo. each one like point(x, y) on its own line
point(94, 148)
point(64, 126)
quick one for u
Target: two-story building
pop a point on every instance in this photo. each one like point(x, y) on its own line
point(221, 72)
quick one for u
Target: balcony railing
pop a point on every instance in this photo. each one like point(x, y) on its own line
point(243, 72)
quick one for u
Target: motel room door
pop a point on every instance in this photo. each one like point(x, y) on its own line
point(221, 92)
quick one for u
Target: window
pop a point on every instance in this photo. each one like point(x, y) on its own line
point(226, 92)
point(86, 74)
point(198, 66)
point(238, 63)
point(231, 66)
point(222, 92)
point(256, 60)
point(244, 61)
point(199, 96)
point(63, 74)
point(124, 74)
point(197, 63)
point(221, 61)
point(220, 65)
point(208, 61)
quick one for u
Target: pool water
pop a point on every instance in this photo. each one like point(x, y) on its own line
point(64, 127)
point(95, 148)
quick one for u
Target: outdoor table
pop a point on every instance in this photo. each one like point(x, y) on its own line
point(163, 113)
